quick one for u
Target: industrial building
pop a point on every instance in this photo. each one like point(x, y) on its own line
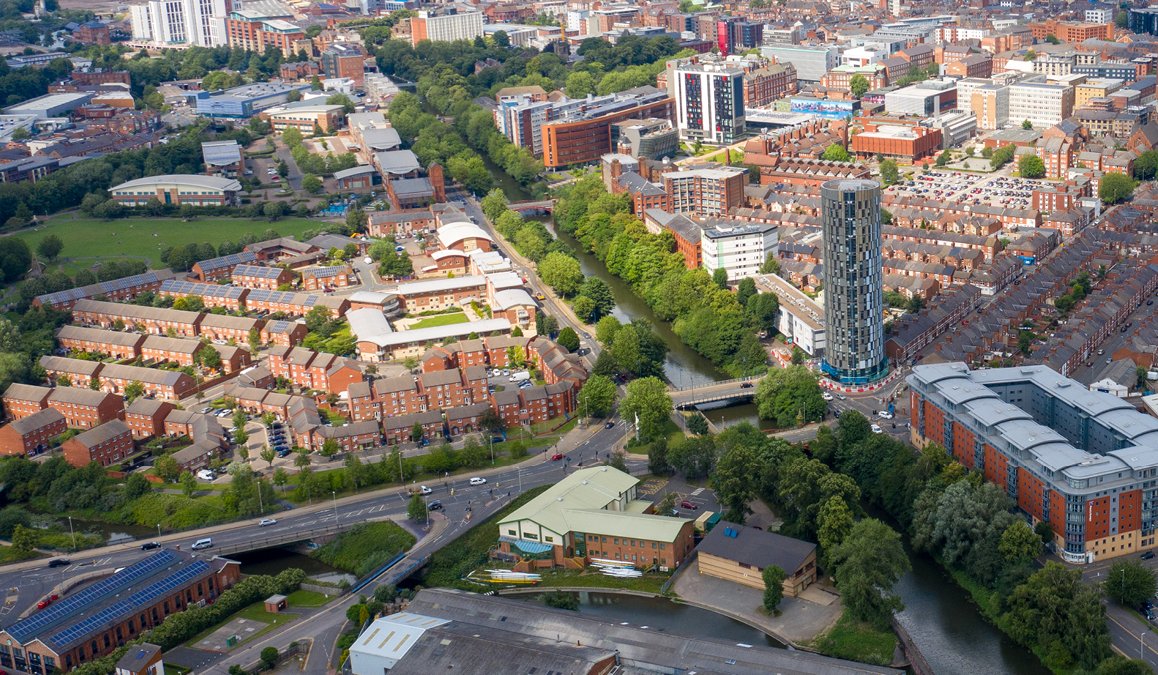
point(244, 101)
point(177, 189)
point(51, 105)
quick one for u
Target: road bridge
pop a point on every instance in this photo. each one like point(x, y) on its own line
point(725, 390)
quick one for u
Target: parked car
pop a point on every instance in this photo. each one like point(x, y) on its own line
point(478, 481)
point(685, 504)
point(877, 429)
point(1145, 556)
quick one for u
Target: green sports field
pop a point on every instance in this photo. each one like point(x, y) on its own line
point(91, 240)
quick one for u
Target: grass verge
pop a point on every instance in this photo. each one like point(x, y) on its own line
point(856, 641)
point(648, 583)
point(254, 612)
point(304, 598)
point(365, 548)
point(441, 320)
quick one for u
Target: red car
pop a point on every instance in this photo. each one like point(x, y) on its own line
point(685, 504)
point(556, 457)
point(47, 601)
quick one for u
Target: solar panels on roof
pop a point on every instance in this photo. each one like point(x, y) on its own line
point(180, 287)
point(27, 629)
point(102, 288)
point(142, 598)
point(227, 261)
point(259, 295)
point(257, 271)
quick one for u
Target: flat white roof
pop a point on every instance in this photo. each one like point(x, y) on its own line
point(208, 182)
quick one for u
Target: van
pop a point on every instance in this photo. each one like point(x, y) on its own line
point(205, 543)
point(206, 474)
point(521, 376)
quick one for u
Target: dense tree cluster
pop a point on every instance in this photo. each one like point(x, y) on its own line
point(790, 396)
point(708, 318)
point(971, 527)
point(632, 349)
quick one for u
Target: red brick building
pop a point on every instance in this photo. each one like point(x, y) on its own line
point(107, 444)
point(22, 400)
point(31, 435)
point(85, 408)
point(146, 417)
point(113, 343)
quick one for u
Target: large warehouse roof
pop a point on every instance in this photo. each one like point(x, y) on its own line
point(207, 182)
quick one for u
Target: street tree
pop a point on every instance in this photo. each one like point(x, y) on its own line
point(773, 588)
point(1129, 583)
point(494, 204)
point(648, 402)
point(858, 85)
point(1031, 166)
point(694, 457)
point(568, 338)
point(889, 172)
point(561, 272)
point(869, 562)
point(790, 396)
point(597, 396)
point(1059, 614)
point(267, 454)
point(1115, 188)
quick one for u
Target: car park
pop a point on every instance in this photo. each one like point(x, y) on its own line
point(478, 481)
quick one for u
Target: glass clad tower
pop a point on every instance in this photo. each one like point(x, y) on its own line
point(853, 290)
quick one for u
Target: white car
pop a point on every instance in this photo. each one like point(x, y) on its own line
point(826, 396)
point(206, 474)
point(266, 522)
point(877, 429)
point(423, 490)
point(478, 481)
point(885, 415)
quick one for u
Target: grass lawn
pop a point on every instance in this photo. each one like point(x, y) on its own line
point(851, 639)
point(88, 240)
point(171, 669)
point(365, 548)
point(648, 583)
point(440, 320)
point(303, 598)
point(670, 430)
point(254, 612)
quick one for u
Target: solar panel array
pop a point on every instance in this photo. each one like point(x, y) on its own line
point(279, 326)
point(257, 271)
point(29, 628)
point(180, 287)
point(260, 295)
point(138, 601)
point(104, 287)
point(326, 272)
point(227, 261)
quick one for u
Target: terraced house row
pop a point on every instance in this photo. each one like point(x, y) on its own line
point(1082, 461)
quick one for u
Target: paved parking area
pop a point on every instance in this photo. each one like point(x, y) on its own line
point(995, 189)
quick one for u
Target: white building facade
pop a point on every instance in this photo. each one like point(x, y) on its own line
point(180, 23)
point(738, 249)
point(1044, 105)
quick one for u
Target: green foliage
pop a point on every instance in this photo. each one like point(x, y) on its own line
point(416, 508)
point(568, 338)
point(1059, 615)
point(561, 600)
point(773, 587)
point(858, 85)
point(1115, 188)
point(49, 247)
point(647, 400)
point(1002, 156)
point(836, 153)
point(1031, 166)
point(869, 562)
point(561, 272)
point(889, 172)
point(698, 424)
point(693, 457)
point(1129, 583)
point(366, 547)
point(597, 396)
point(1027, 125)
point(790, 396)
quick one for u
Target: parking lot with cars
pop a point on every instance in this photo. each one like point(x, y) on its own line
point(996, 189)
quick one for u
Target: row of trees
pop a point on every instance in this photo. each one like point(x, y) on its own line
point(717, 323)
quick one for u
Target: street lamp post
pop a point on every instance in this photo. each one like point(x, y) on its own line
point(334, 494)
point(158, 530)
point(72, 532)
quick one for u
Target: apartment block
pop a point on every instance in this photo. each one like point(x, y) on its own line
point(86, 408)
point(106, 445)
point(31, 435)
point(1044, 105)
point(707, 192)
point(22, 400)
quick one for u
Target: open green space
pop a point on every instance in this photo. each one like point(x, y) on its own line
point(254, 612)
point(440, 320)
point(304, 598)
point(90, 240)
point(857, 641)
point(648, 583)
point(365, 548)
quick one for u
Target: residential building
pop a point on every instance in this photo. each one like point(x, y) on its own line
point(221, 267)
point(708, 191)
point(22, 400)
point(652, 138)
point(125, 288)
point(445, 26)
point(85, 408)
point(106, 445)
point(1080, 460)
point(801, 318)
point(853, 284)
point(738, 248)
point(161, 349)
point(256, 276)
point(231, 298)
point(31, 435)
point(164, 384)
point(345, 59)
point(84, 626)
point(177, 189)
point(154, 320)
point(258, 26)
point(180, 23)
point(146, 417)
point(593, 513)
point(709, 99)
